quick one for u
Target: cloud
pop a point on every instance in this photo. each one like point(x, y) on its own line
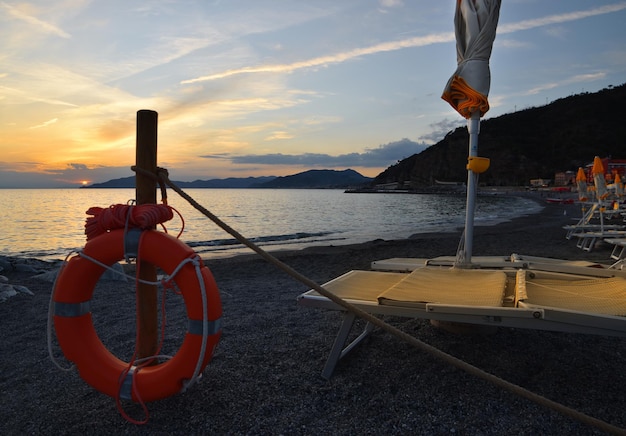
point(42, 26)
point(15, 95)
point(14, 179)
point(579, 78)
point(40, 175)
point(320, 61)
point(77, 166)
point(418, 41)
point(279, 135)
point(391, 3)
point(44, 124)
point(379, 157)
point(116, 129)
point(441, 128)
point(559, 18)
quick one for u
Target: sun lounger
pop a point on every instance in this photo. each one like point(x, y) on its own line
point(512, 292)
point(576, 230)
point(403, 264)
point(399, 264)
point(619, 251)
point(587, 240)
point(619, 247)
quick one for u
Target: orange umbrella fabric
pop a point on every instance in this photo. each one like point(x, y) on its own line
point(619, 187)
point(475, 23)
point(598, 178)
point(581, 185)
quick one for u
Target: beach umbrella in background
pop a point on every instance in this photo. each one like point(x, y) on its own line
point(599, 183)
point(475, 23)
point(598, 179)
point(619, 187)
point(581, 185)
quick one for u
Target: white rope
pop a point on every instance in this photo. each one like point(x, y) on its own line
point(156, 356)
point(50, 318)
point(110, 268)
point(205, 327)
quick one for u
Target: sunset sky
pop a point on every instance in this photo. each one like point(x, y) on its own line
point(269, 87)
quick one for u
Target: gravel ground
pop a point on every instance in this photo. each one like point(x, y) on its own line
point(264, 377)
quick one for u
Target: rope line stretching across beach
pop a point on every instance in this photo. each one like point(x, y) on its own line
point(162, 177)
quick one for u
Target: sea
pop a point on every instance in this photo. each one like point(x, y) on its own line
point(48, 224)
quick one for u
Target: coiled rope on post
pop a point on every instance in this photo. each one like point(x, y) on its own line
point(163, 177)
point(119, 216)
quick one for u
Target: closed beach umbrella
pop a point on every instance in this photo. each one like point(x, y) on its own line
point(475, 23)
point(619, 187)
point(598, 179)
point(581, 185)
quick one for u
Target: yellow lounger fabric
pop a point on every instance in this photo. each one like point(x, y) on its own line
point(604, 295)
point(448, 286)
point(363, 285)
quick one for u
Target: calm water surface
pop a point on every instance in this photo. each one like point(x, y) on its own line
point(49, 223)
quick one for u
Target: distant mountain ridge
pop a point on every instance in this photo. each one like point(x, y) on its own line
point(319, 179)
point(312, 179)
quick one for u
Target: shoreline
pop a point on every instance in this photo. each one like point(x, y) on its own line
point(264, 377)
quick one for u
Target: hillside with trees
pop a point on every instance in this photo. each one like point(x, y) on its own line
point(528, 144)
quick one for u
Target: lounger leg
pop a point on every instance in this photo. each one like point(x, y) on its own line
point(589, 246)
point(338, 351)
point(619, 264)
point(618, 252)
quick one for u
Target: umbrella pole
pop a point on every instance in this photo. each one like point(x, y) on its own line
point(601, 208)
point(473, 127)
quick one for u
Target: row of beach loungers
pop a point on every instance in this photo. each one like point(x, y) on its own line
point(593, 229)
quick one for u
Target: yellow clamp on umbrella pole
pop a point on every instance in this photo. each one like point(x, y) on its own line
point(477, 164)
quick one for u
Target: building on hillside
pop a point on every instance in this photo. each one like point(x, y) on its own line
point(539, 183)
point(611, 167)
point(616, 166)
point(565, 178)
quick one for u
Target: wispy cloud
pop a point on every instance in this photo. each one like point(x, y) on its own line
point(391, 3)
point(279, 135)
point(320, 61)
point(579, 78)
point(40, 25)
point(419, 41)
point(44, 124)
point(20, 95)
point(559, 18)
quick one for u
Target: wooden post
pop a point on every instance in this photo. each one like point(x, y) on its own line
point(145, 192)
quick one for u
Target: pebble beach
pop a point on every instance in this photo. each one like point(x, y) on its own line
point(265, 374)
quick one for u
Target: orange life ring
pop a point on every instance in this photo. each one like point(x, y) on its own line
point(80, 342)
